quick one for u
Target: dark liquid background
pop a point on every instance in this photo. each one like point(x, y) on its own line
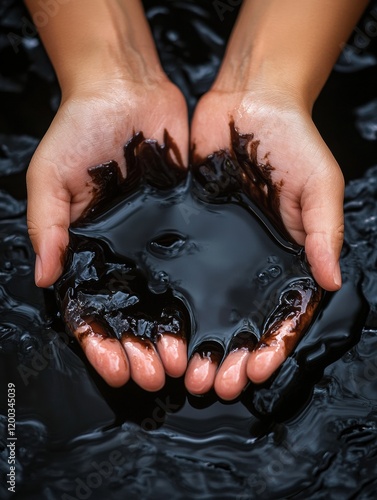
point(76, 438)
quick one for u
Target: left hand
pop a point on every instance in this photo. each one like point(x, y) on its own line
point(311, 204)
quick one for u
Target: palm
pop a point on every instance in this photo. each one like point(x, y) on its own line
point(302, 164)
point(88, 130)
point(311, 187)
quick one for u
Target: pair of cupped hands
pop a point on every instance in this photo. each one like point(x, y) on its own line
point(93, 123)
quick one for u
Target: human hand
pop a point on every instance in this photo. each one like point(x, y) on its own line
point(92, 126)
point(113, 86)
point(311, 194)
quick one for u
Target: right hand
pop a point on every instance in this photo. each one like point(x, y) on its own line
point(91, 126)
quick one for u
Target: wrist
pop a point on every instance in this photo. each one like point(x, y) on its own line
point(105, 65)
point(265, 81)
point(289, 45)
point(261, 68)
point(93, 41)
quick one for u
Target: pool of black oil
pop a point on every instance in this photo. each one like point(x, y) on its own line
point(311, 432)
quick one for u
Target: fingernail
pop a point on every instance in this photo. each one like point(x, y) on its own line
point(337, 275)
point(38, 270)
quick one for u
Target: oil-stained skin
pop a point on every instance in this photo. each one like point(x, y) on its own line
point(200, 252)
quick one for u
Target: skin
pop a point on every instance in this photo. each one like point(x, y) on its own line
point(113, 85)
point(104, 83)
point(268, 85)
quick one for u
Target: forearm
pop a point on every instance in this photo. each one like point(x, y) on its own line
point(90, 40)
point(288, 43)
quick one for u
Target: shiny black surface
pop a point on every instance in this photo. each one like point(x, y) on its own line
point(79, 439)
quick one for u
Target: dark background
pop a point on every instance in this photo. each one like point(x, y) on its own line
point(67, 418)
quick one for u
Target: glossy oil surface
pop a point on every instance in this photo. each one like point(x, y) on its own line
point(77, 438)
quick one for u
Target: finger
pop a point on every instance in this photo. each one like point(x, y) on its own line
point(145, 364)
point(267, 358)
point(297, 309)
point(204, 120)
point(48, 218)
point(105, 354)
point(200, 374)
point(323, 221)
point(173, 353)
point(231, 377)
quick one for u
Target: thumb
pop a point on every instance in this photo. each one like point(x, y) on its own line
point(48, 218)
point(323, 221)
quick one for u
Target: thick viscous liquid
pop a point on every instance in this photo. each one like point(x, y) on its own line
point(311, 432)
